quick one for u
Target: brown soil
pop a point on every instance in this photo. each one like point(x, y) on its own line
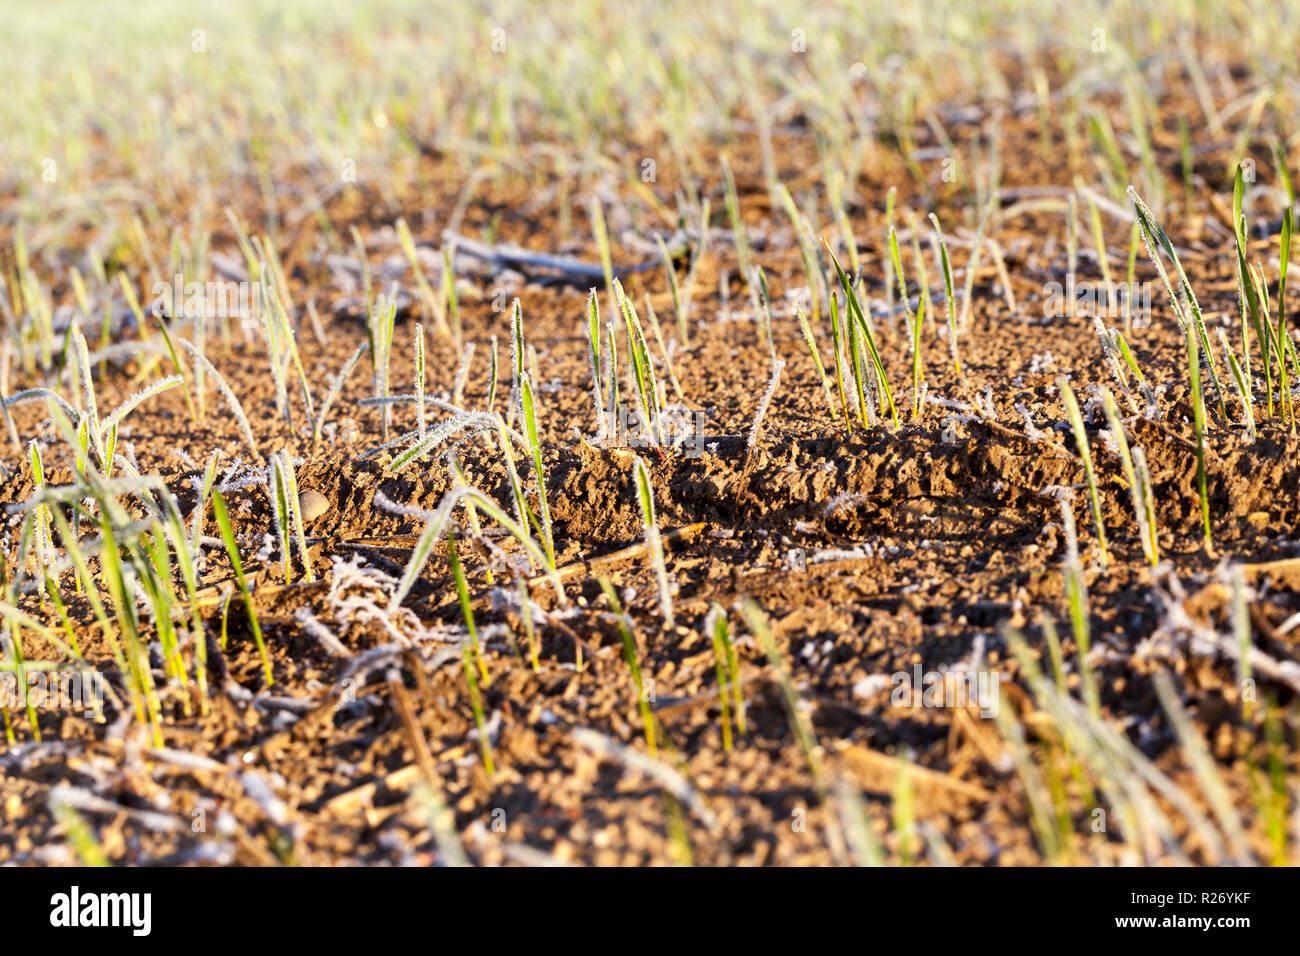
point(945, 533)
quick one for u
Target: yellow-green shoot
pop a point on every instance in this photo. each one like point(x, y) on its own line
point(1076, 590)
point(855, 314)
point(1156, 241)
point(643, 373)
point(654, 540)
point(467, 610)
point(472, 679)
point(803, 732)
point(427, 298)
point(232, 549)
point(949, 295)
point(1139, 485)
point(811, 342)
point(530, 430)
point(1198, 418)
point(593, 354)
point(1081, 440)
point(629, 655)
point(379, 329)
point(730, 697)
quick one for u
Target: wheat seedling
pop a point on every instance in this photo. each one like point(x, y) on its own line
point(764, 310)
point(807, 250)
point(1112, 360)
point(1154, 238)
point(811, 342)
point(1203, 765)
point(665, 351)
point(232, 549)
point(288, 347)
point(593, 353)
point(187, 557)
point(436, 521)
point(1240, 383)
point(692, 273)
point(231, 399)
point(838, 339)
point(904, 809)
point(462, 373)
point(1120, 344)
point(280, 521)
point(1198, 418)
point(40, 523)
point(867, 413)
point(73, 549)
point(1081, 440)
point(740, 236)
point(530, 430)
point(1099, 240)
point(294, 502)
point(892, 269)
point(949, 297)
point(601, 235)
point(854, 312)
point(639, 687)
point(1283, 336)
point(79, 833)
point(1131, 277)
point(467, 664)
point(1125, 776)
point(728, 672)
point(720, 669)
point(520, 500)
point(492, 380)
point(855, 820)
point(1143, 504)
point(654, 540)
point(462, 594)
point(379, 329)
point(471, 513)
point(134, 304)
point(1046, 826)
point(438, 435)
point(431, 304)
point(679, 309)
point(530, 629)
point(118, 579)
point(642, 368)
point(337, 386)
point(419, 379)
point(1249, 295)
point(1076, 590)
point(452, 299)
point(17, 620)
point(972, 267)
point(914, 321)
point(803, 732)
point(518, 357)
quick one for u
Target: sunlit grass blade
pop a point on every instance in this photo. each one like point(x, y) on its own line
point(232, 549)
point(639, 687)
point(653, 540)
point(864, 328)
point(758, 625)
point(1081, 440)
point(950, 297)
point(1143, 507)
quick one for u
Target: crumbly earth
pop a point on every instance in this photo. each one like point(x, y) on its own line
point(873, 552)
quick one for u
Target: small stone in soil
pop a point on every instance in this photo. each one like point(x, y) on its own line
point(313, 504)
